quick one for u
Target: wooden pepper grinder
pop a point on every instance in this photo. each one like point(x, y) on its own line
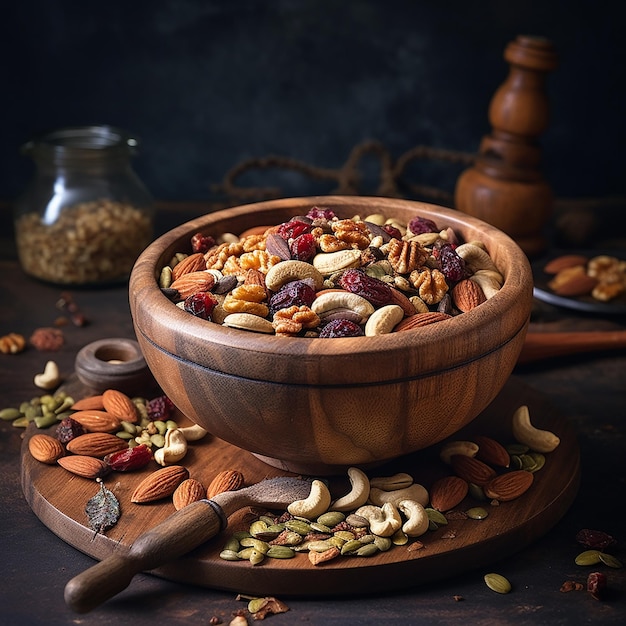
point(505, 187)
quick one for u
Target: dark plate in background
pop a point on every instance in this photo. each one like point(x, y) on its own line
point(587, 304)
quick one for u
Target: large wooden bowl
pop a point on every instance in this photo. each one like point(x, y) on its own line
point(318, 406)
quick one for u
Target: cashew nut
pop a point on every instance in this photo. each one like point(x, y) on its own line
point(342, 300)
point(489, 281)
point(316, 503)
point(287, 271)
point(248, 321)
point(194, 432)
point(414, 492)
point(535, 438)
point(467, 448)
point(50, 377)
point(359, 492)
point(383, 320)
point(329, 262)
point(391, 483)
point(475, 257)
point(384, 521)
point(416, 518)
point(174, 449)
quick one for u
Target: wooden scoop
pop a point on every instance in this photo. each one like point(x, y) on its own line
point(178, 534)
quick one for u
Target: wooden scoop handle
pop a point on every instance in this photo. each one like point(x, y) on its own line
point(178, 534)
point(546, 345)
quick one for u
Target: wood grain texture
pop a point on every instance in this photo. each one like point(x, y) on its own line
point(59, 501)
point(315, 405)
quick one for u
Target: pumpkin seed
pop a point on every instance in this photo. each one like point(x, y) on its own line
point(331, 518)
point(382, 543)
point(346, 535)
point(497, 583)
point(477, 512)
point(257, 544)
point(588, 557)
point(517, 448)
point(280, 552)
point(240, 534)
point(437, 517)
point(320, 546)
point(516, 462)
point(257, 527)
point(320, 528)
point(232, 545)
point(477, 492)
point(298, 526)
point(229, 555)
point(351, 546)
point(528, 463)
point(540, 460)
point(369, 549)
point(399, 538)
point(10, 414)
point(610, 560)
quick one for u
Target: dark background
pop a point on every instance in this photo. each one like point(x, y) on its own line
point(206, 84)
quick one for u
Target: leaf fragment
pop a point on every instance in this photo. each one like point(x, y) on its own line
point(103, 510)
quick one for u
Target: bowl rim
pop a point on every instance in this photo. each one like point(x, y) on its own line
point(515, 297)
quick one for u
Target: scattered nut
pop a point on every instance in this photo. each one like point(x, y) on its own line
point(50, 378)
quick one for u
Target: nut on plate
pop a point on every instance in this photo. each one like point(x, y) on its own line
point(45, 448)
point(159, 484)
point(13, 343)
point(471, 469)
point(119, 405)
point(189, 491)
point(447, 492)
point(509, 486)
point(84, 466)
point(226, 480)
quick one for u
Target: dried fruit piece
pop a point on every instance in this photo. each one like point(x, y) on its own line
point(130, 459)
point(596, 585)
point(200, 304)
point(372, 289)
point(341, 328)
point(595, 539)
point(69, 429)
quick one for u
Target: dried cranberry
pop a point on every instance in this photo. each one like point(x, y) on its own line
point(320, 213)
point(303, 247)
point(160, 408)
point(294, 293)
point(69, 429)
point(293, 228)
point(595, 539)
point(200, 304)
point(596, 584)
point(392, 231)
point(130, 459)
point(451, 264)
point(202, 243)
point(419, 225)
point(375, 291)
point(341, 328)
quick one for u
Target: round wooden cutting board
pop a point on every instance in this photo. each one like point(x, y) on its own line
point(58, 498)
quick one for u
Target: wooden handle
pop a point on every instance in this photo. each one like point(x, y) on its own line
point(178, 534)
point(540, 346)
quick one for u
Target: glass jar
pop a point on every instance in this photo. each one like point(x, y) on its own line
point(85, 216)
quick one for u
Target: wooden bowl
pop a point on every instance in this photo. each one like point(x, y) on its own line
point(318, 406)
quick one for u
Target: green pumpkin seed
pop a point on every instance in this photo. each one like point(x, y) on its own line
point(10, 414)
point(331, 518)
point(497, 583)
point(477, 512)
point(540, 460)
point(257, 527)
point(517, 448)
point(22, 422)
point(399, 538)
point(610, 560)
point(528, 463)
point(477, 492)
point(267, 519)
point(369, 549)
point(45, 421)
point(320, 546)
point(232, 545)
point(229, 555)
point(320, 528)
point(124, 435)
point(291, 538)
point(336, 541)
point(436, 516)
point(298, 526)
point(352, 546)
point(382, 543)
point(256, 604)
point(588, 557)
point(240, 534)
point(256, 557)
point(280, 552)
point(257, 544)
point(346, 535)
point(516, 462)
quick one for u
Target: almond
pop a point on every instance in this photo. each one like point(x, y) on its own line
point(192, 263)
point(397, 297)
point(120, 405)
point(565, 261)
point(467, 295)
point(160, 484)
point(421, 319)
point(97, 421)
point(90, 403)
point(491, 451)
point(45, 448)
point(193, 282)
point(228, 480)
point(447, 492)
point(189, 491)
point(471, 469)
point(96, 444)
point(572, 282)
point(509, 486)
point(85, 466)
